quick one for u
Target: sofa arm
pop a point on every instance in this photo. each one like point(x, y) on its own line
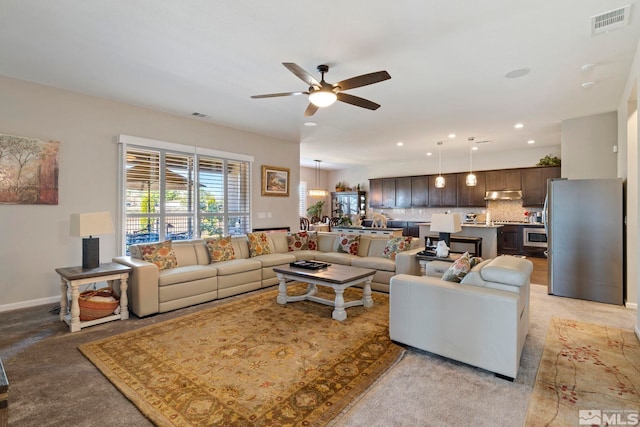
point(143, 290)
point(407, 263)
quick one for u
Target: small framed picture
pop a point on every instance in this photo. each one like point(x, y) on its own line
point(275, 181)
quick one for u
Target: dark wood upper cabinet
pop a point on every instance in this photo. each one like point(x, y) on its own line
point(507, 179)
point(534, 184)
point(403, 192)
point(471, 196)
point(443, 197)
point(375, 193)
point(419, 191)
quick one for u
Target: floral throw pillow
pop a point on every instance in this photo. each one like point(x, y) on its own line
point(220, 249)
point(348, 244)
point(395, 245)
point(298, 241)
point(161, 254)
point(458, 269)
point(312, 241)
point(258, 244)
point(475, 260)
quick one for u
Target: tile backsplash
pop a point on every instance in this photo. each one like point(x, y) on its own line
point(501, 210)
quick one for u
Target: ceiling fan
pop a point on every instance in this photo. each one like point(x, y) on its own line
point(323, 94)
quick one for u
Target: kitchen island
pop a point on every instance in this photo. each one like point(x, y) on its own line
point(373, 231)
point(489, 234)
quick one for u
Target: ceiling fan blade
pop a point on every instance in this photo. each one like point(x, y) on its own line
point(363, 80)
point(273, 95)
point(357, 101)
point(311, 110)
point(302, 74)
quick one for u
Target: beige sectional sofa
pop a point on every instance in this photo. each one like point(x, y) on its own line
point(195, 280)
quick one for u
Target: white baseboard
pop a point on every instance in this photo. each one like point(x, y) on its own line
point(632, 305)
point(30, 303)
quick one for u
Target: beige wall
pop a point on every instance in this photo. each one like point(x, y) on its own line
point(36, 238)
point(628, 141)
point(588, 147)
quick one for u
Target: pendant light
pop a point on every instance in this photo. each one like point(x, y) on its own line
point(317, 191)
point(471, 179)
point(440, 179)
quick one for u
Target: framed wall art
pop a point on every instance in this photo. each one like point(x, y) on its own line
point(275, 181)
point(28, 171)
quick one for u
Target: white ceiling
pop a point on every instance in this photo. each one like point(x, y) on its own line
point(447, 61)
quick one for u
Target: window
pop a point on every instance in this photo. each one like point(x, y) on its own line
point(160, 198)
point(302, 203)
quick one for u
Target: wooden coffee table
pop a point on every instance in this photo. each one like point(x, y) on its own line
point(339, 277)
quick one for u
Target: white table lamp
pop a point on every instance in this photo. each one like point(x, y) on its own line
point(445, 224)
point(87, 225)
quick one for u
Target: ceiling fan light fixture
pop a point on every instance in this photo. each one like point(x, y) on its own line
point(322, 98)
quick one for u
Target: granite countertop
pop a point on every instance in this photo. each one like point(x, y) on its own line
point(480, 225)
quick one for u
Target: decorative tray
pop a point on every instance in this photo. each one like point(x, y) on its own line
point(310, 265)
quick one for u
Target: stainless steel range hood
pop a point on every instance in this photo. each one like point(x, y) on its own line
point(503, 195)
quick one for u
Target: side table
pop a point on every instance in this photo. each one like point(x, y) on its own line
point(426, 259)
point(73, 277)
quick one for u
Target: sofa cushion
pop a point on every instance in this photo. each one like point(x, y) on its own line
point(336, 258)
point(161, 254)
point(271, 260)
point(258, 244)
point(235, 266)
point(278, 242)
point(184, 274)
point(509, 270)
point(458, 269)
point(220, 249)
point(347, 243)
point(395, 245)
point(473, 277)
point(374, 263)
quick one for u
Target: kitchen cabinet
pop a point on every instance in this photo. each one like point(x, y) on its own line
point(534, 184)
point(471, 196)
point(403, 192)
point(419, 191)
point(510, 240)
point(375, 193)
point(443, 197)
point(506, 179)
point(383, 192)
point(348, 203)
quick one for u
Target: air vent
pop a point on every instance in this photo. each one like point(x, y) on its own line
point(610, 20)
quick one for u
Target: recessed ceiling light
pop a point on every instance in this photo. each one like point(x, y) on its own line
point(400, 144)
point(514, 74)
point(588, 85)
point(518, 126)
point(587, 67)
point(531, 141)
point(310, 124)
point(474, 148)
point(452, 135)
point(429, 153)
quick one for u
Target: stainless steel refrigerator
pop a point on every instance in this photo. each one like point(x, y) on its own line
point(584, 220)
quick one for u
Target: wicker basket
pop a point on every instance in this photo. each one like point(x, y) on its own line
point(90, 309)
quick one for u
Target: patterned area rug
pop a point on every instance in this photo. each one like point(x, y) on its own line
point(251, 362)
point(588, 375)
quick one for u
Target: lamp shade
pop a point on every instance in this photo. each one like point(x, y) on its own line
point(446, 223)
point(90, 224)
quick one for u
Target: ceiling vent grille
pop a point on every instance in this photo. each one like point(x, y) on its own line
point(610, 20)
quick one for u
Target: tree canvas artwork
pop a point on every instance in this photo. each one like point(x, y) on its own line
point(28, 170)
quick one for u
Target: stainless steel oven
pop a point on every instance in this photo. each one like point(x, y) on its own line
point(533, 236)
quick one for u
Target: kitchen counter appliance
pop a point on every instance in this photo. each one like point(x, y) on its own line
point(585, 252)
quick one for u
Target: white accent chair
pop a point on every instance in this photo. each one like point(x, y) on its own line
point(482, 321)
